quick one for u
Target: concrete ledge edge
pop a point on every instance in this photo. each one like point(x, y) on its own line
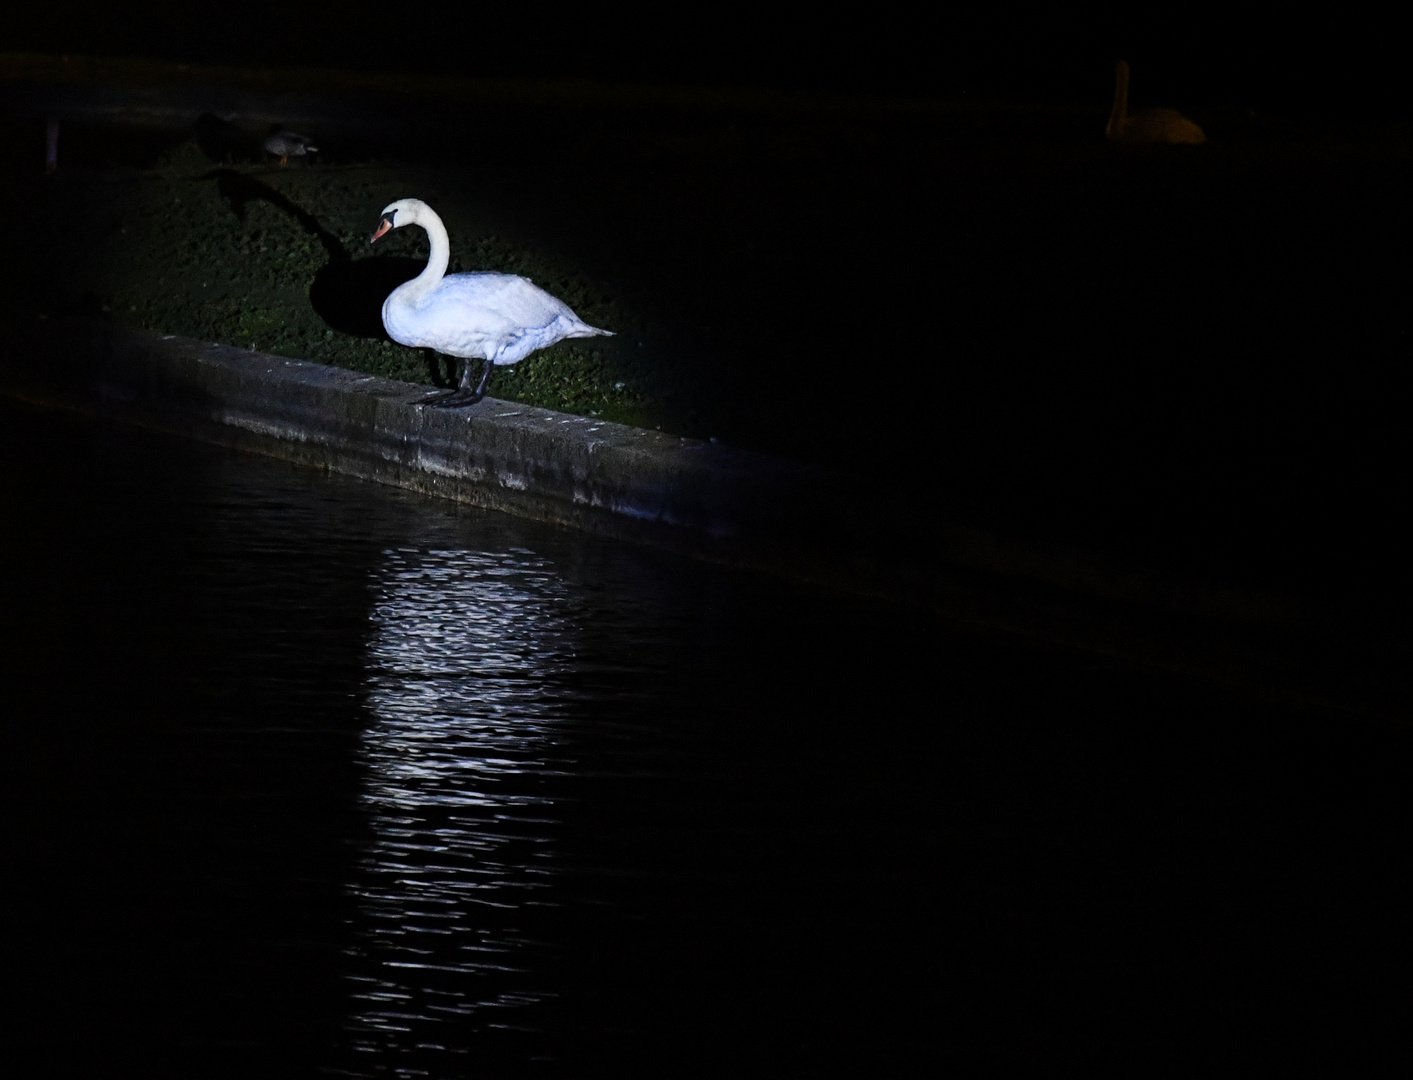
point(728, 505)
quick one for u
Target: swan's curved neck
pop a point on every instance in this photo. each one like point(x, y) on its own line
point(1118, 115)
point(437, 258)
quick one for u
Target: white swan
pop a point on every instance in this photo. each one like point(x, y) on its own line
point(1147, 125)
point(500, 318)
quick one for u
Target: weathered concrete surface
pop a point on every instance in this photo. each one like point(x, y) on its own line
point(556, 467)
point(711, 501)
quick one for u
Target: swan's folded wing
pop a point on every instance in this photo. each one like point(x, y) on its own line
point(516, 300)
point(502, 317)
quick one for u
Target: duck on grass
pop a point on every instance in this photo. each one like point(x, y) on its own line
point(498, 318)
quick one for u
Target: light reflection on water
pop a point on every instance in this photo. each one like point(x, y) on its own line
point(464, 656)
point(301, 779)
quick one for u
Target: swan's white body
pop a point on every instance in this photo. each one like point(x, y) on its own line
point(1147, 125)
point(499, 318)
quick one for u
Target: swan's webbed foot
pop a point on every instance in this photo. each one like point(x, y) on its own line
point(463, 395)
point(454, 400)
point(443, 398)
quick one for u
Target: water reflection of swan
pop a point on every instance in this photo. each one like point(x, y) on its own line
point(461, 752)
point(1146, 125)
point(498, 318)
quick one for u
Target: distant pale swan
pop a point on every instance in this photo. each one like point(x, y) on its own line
point(500, 318)
point(1147, 125)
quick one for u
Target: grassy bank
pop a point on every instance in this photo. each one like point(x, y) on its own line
point(277, 259)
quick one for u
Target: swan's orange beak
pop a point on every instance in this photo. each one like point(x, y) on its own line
point(383, 226)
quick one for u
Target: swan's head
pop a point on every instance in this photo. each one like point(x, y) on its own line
point(400, 213)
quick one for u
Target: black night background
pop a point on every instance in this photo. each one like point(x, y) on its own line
point(284, 749)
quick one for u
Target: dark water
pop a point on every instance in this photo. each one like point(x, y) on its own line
point(309, 777)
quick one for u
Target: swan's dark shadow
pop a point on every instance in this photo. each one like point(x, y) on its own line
point(347, 293)
point(221, 141)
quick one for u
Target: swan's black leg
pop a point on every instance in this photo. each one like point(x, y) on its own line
point(433, 360)
point(443, 395)
point(485, 378)
point(463, 394)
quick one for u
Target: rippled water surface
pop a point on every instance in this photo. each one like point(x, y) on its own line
point(309, 777)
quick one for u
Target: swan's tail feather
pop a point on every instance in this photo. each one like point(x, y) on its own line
point(589, 331)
